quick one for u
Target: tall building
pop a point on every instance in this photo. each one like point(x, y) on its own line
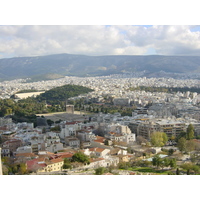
point(170, 127)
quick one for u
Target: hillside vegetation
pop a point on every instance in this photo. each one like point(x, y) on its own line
point(62, 93)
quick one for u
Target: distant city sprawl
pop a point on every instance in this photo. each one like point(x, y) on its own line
point(122, 124)
point(113, 84)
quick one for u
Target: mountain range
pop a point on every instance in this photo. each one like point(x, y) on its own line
point(81, 65)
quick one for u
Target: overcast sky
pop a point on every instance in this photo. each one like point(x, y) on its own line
point(32, 40)
point(36, 40)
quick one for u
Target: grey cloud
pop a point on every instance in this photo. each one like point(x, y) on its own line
point(98, 40)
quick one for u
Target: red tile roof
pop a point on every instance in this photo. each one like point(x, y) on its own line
point(34, 164)
point(99, 139)
point(112, 133)
point(64, 155)
point(96, 149)
point(67, 156)
point(96, 159)
point(41, 162)
point(26, 155)
point(56, 160)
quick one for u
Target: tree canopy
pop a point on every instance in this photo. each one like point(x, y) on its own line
point(182, 144)
point(158, 139)
point(100, 170)
point(80, 157)
point(62, 93)
point(190, 132)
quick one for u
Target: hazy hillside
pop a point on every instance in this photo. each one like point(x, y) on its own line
point(80, 65)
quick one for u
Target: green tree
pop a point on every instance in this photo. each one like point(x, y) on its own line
point(56, 128)
point(166, 162)
point(22, 168)
point(190, 146)
point(172, 163)
point(100, 170)
point(193, 157)
point(145, 163)
point(182, 144)
point(5, 170)
point(196, 169)
point(173, 137)
point(80, 157)
point(13, 169)
point(144, 154)
point(67, 164)
point(187, 166)
point(106, 142)
point(190, 132)
point(182, 134)
point(50, 122)
point(124, 165)
point(156, 161)
point(158, 139)
point(170, 152)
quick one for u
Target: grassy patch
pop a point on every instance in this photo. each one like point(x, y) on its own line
point(150, 170)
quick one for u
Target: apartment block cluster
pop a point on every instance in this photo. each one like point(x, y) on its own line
point(46, 151)
point(117, 85)
point(117, 88)
point(105, 138)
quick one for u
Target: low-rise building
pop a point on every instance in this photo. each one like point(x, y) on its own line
point(24, 149)
point(85, 135)
point(45, 165)
point(12, 145)
point(72, 142)
point(95, 163)
point(5, 152)
point(123, 158)
point(99, 152)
